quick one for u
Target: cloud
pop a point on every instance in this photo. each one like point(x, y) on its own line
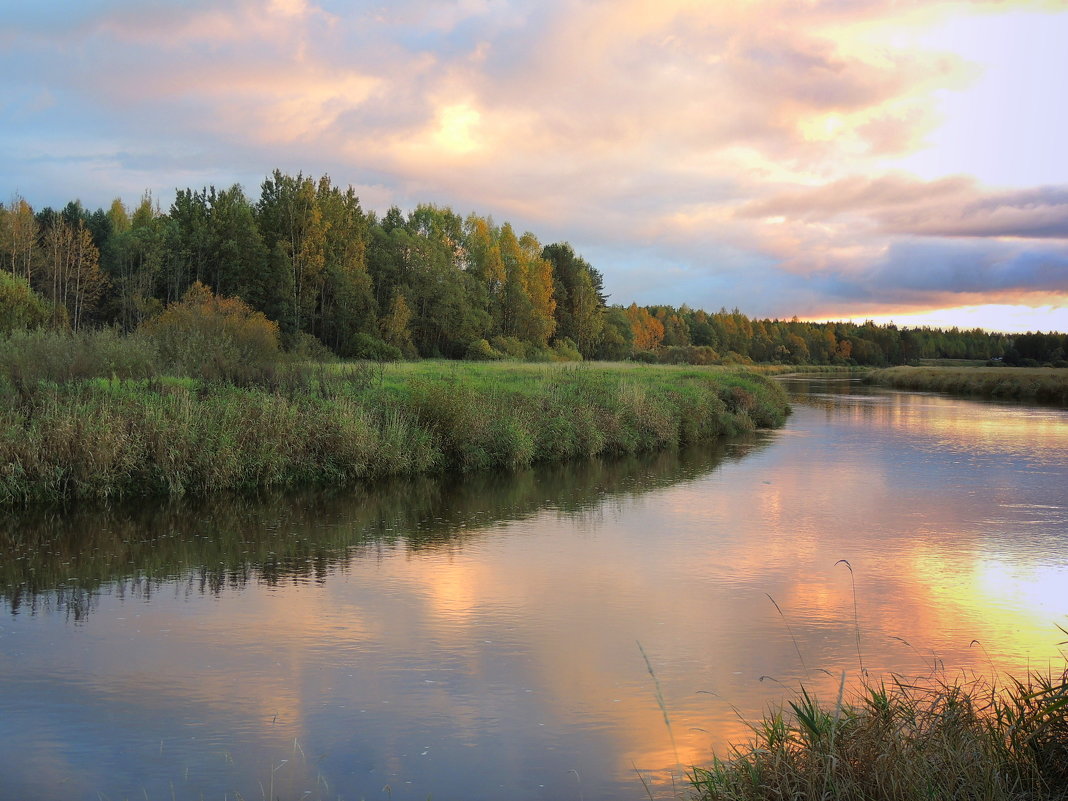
point(748, 145)
point(999, 270)
point(1034, 213)
point(950, 207)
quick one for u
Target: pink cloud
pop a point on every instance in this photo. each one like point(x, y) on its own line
point(751, 133)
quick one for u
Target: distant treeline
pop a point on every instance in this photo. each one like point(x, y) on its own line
point(427, 284)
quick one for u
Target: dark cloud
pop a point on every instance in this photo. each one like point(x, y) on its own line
point(950, 207)
point(1040, 213)
point(954, 272)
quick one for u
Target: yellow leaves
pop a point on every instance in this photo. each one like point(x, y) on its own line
point(648, 331)
point(203, 327)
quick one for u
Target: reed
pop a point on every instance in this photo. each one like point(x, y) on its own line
point(899, 741)
point(120, 429)
point(1041, 384)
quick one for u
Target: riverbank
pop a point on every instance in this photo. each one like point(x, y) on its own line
point(933, 738)
point(102, 438)
point(1041, 384)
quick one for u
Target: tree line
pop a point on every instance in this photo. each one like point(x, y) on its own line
point(428, 283)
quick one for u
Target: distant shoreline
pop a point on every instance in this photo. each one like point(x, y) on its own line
point(1039, 384)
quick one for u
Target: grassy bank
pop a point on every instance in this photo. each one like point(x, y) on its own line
point(74, 436)
point(903, 741)
point(1041, 384)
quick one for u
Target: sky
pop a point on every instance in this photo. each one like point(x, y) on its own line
point(830, 159)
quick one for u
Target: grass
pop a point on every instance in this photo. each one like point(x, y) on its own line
point(905, 741)
point(98, 428)
point(1041, 384)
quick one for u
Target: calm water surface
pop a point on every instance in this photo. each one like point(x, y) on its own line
point(479, 639)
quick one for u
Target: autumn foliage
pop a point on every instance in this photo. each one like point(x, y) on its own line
point(214, 337)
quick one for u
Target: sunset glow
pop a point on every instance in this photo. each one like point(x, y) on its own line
point(827, 160)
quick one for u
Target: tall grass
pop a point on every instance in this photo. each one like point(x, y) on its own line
point(97, 421)
point(901, 741)
point(1043, 384)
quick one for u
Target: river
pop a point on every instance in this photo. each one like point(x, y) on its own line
point(567, 632)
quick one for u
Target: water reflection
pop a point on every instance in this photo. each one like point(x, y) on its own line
point(477, 638)
point(63, 558)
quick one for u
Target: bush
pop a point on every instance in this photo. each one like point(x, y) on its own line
point(20, 306)
point(733, 357)
point(509, 347)
point(536, 354)
point(688, 354)
point(481, 351)
point(644, 356)
point(373, 349)
point(305, 347)
point(28, 357)
point(565, 350)
point(215, 338)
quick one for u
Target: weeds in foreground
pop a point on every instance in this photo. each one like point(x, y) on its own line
point(904, 740)
point(971, 738)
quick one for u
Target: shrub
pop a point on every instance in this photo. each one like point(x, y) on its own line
point(536, 354)
point(510, 347)
point(305, 347)
point(566, 350)
point(644, 356)
point(691, 354)
point(371, 348)
point(215, 338)
point(733, 357)
point(20, 306)
point(481, 351)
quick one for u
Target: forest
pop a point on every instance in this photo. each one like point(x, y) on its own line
point(426, 284)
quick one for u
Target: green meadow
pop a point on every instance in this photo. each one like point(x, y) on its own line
point(90, 417)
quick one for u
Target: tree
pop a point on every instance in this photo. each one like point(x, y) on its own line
point(484, 260)
point(235, 261)
point(647, 332)
point(579, 302)
point(538, 282)
point(516, 310)
point(394, 326)
point(346, 298)
point(134, 257)
point(449, 312)
point(292, 226)
point(18, 237)
point(72, 274)
point(188, 243)
point(617, 338)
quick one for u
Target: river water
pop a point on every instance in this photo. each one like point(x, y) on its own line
point(570, 632)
